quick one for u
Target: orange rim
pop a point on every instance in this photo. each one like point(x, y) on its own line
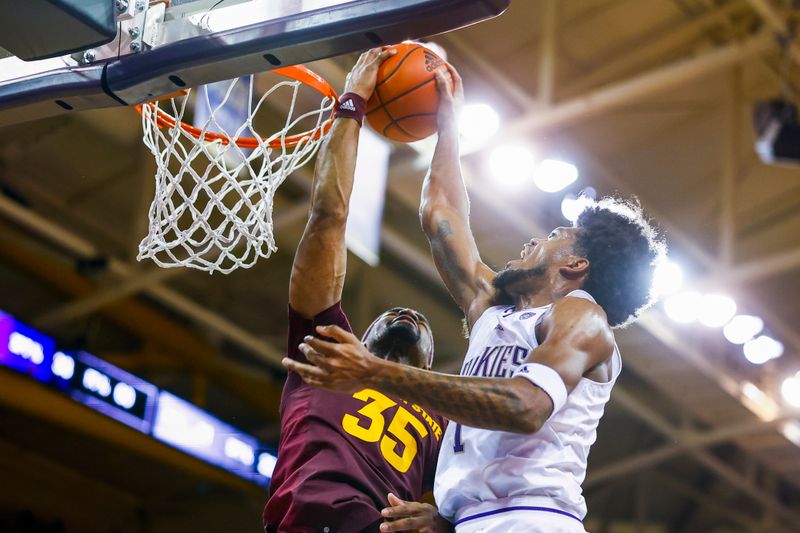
point(295, 72)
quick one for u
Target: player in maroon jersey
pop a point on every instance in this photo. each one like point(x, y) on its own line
point(341, 455)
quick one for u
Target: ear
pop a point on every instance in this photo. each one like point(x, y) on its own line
point(575, 268)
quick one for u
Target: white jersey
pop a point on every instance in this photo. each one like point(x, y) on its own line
point(483, 472)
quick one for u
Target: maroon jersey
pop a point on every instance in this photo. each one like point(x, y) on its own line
point(340, 454)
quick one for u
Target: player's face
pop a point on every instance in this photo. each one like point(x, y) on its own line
point(402, 335)
point(538, 258)
point(545, 252)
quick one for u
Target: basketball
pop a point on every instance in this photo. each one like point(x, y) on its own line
point(403, 106)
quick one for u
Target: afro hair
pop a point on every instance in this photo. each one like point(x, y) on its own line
point(623, 250)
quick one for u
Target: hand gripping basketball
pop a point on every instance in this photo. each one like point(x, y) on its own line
point(362, 77)
point(451, 97)
point(405, 102)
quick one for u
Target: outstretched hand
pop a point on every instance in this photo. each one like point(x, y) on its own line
point(364, 74)
point(406, 516)
point(341, 366)
point(451, 96)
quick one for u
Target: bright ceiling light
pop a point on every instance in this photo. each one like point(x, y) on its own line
point(742, 328)
point(790, 390)
point(683, 307)
point(572, 206)
point(791, 430)
point(759, 402)
point(477, 123)
point(667, 278)
point(266, 464)
point(761, 349)
point(512, 164)
point(553, 175)
point(716, 310)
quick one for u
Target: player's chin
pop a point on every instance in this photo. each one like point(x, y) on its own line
point(403, 331)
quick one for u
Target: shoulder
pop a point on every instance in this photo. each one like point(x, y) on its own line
point(333, 315)
point(479, 310)
point(579, 305)
point(580, 318)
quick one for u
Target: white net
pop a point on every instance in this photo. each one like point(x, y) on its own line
point(213, 203)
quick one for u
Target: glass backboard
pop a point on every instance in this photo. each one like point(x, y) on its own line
point(162, 47)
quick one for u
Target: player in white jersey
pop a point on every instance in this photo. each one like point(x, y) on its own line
point(541, 361)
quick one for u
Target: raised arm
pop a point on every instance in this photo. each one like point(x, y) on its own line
point(321, 259)
point(578, 339)
point(444, 212)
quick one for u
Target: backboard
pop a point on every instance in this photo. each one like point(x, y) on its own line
point(165, 46)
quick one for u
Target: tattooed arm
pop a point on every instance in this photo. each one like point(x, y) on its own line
point(444, 212)
point(577, 339)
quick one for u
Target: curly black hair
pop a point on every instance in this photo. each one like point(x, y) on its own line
point(623, 250)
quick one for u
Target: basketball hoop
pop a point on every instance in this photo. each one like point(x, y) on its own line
point(214, 189)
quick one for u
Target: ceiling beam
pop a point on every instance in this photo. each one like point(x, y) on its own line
point(548, 52)
point(686, 442)
point(138, 280)
point(775, 21)
point(707, 502)
point(673, 75)
point(730, 168)
point(649, 48)
point(499, 77)
point(247, 382)
point(732, 477)
point(755, 270)
point(200, 314)
point(772, 265)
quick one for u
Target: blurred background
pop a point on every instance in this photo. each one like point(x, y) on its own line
point(681, 103)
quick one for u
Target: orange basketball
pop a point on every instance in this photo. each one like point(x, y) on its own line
point(403, 106)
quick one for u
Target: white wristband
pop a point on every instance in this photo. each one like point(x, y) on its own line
point(546, 379)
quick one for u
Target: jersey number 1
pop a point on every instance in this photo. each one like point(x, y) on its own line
point(459, 446)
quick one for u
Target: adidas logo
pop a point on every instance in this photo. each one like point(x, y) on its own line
point(432, 61)
point(348, 105)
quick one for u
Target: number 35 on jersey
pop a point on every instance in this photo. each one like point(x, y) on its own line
point(372, 426)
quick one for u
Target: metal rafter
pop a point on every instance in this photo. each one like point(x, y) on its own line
point(248, 382)
point(660, 79)
point(730, 169)
point(771, 16)
point(547, 56)
point(83, 248)
point(686, 442)
point(708, 503)
point(138, 280)
point(653, 46)
point(744, 483)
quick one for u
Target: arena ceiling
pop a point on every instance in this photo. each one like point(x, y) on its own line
point(648, 98)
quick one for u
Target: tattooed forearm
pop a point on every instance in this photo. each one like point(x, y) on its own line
point(491, 403)
point(444, 229)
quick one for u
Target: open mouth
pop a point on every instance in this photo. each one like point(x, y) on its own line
point(404, 319)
